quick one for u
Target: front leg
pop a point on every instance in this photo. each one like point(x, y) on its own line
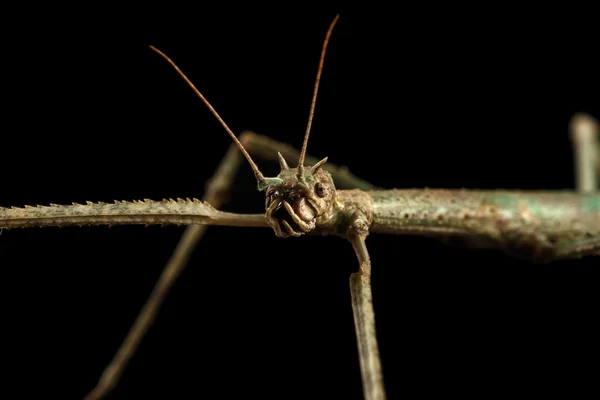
point(217, 194)
point(364, 321)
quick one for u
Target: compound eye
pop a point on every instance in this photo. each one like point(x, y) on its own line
point(273, 194)
point(321, 189)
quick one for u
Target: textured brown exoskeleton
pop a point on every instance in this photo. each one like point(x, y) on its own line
point(543, 226)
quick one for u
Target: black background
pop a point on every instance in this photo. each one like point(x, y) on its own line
point(429, 98)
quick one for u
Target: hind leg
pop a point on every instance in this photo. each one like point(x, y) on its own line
point(585, 135)
point(586, 146)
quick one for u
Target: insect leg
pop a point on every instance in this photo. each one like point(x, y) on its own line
point(586, 145)
point(364, 322)
point(216, 193)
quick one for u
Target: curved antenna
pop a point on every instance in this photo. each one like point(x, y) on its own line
point(314, 99)
point(259, 176)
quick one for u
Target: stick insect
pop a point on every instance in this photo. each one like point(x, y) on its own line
point(11, 231)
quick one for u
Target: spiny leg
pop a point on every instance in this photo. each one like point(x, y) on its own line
point(364, 322)
point(217, 192)
point(586, 146)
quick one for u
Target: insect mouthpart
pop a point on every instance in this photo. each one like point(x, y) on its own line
point(290, 213)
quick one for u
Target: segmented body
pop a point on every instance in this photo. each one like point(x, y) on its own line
point(537, 225)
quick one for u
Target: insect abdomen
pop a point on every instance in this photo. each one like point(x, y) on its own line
point(538, 225)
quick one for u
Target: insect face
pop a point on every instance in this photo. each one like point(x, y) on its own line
point(294, 205)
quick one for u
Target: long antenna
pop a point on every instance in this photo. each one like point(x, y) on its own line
point(257, 173)
point(314, 99)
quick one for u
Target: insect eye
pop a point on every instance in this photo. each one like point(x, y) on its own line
point(321, 189)
point(273, 193)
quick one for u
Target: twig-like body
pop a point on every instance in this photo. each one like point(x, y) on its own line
point(541, 226)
